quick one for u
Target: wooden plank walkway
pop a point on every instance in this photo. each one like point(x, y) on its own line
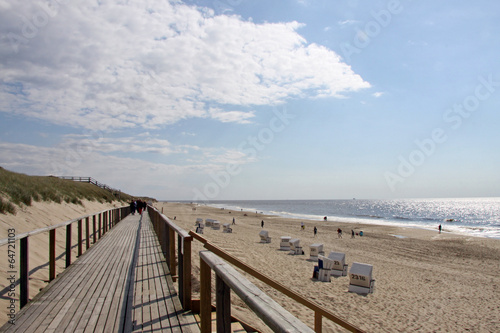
point(118, 285)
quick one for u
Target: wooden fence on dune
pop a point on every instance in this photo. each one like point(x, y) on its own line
point(92, 181)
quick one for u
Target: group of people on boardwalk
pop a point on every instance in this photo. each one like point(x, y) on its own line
point(137, 205)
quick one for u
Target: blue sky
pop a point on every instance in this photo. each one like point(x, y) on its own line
point(238, 99)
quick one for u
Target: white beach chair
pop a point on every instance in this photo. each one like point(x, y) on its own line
point(209, 222)
point(285, 243)
point(360, 279)
point(264, 236)
point(215, 225)
point(325, 267)
point(295, 247)
point(315, 251)
point(339, 267)
point(200, 226)
point(226, 227)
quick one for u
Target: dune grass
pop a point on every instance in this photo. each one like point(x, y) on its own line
point(17, 189)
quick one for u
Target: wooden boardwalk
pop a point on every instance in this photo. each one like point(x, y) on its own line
point(118, 285)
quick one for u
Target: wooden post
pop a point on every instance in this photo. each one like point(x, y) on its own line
point(318, 326)
point(180, 258)
point(163, 236)
point(205, 297)
point(100, 224)
point(171, 240)
point(68, 245)
point(52, 254)
point(222, 305)
point(187, 274)
point(94, 229)
point(87, 233)
point(104, 223)
point(80, 238)
point(24, 272)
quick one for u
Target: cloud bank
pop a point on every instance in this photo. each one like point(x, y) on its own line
point(119, 65)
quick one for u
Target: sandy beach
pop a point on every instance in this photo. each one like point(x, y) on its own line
point(425, 281)
point(39, 215)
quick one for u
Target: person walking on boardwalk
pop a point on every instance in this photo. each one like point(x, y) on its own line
point(139, 207)
point(132, 207)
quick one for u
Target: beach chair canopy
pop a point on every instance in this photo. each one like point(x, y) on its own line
point(294, 243)
point(325, 262)
point(317, 247)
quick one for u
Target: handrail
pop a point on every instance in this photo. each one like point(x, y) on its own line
point(48, 228)
point(227, 279)
point(319, 311)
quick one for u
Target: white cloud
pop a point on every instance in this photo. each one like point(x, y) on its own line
point(231, 116)
point(123, 65)
point(377, 94)
point(126, 173)
point(347, 22)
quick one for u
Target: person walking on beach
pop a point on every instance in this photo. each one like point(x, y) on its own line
point(315, 231)
point(302, 227)
point(234, 222)
point(262, 224)
point(339, 233)
point(352, 233)
point(439, 228)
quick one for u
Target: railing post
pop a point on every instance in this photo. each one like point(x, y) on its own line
point(87, 233)
point(163, 235)
point(80, 238)
point(222, 305)
point(68, 245)
point(104, 223)
point(186, 276)
point(318, 326)
point(171, 240)
point(205, 297)
point(24, 272)
point(52, 254)
point(100, 225)
point(94, 228)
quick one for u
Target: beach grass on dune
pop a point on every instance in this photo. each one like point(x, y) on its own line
point(17, 189)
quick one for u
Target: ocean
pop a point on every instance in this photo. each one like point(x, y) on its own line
point(470, 216)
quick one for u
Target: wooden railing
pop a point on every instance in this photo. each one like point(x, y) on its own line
point(91, 181)
point(101, 223)
point(227, 279)
point(166, 229)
